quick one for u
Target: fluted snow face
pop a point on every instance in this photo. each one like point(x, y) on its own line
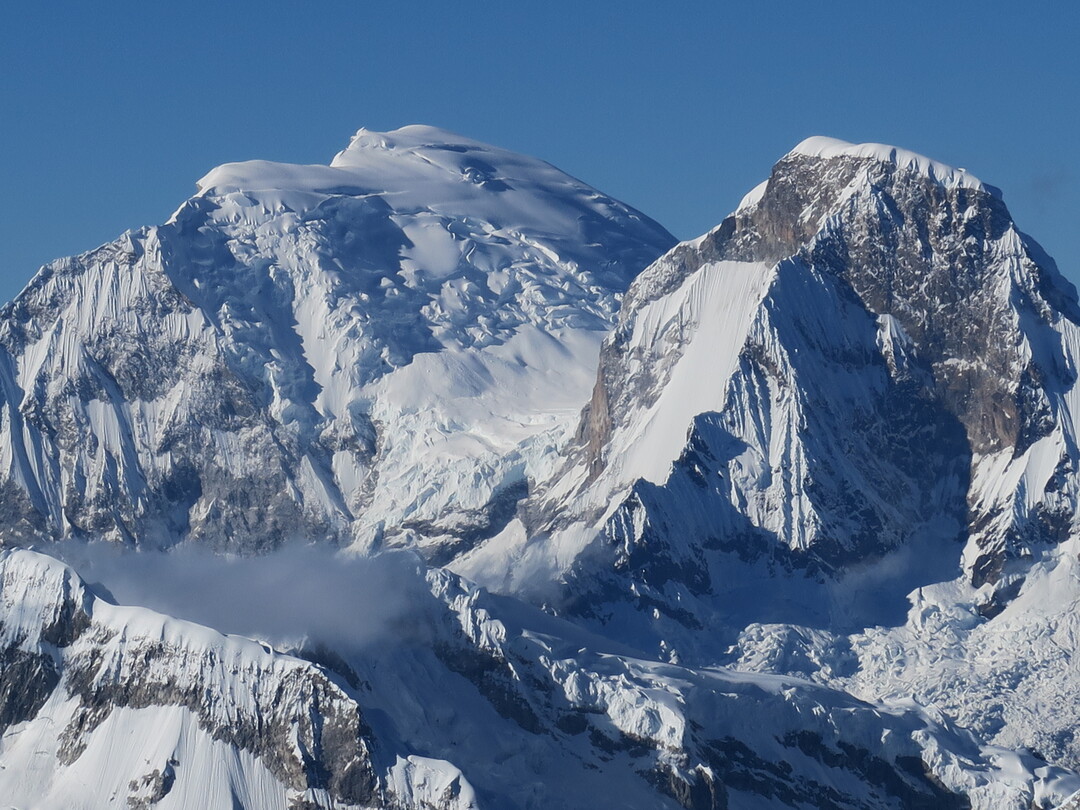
point(380, 349)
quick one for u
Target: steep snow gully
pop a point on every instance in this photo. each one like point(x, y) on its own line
point(436, 479)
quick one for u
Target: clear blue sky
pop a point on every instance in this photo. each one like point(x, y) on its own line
point(110, 111)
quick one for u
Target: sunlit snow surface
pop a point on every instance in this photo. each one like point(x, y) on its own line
point(822, 147)
point(430, 694)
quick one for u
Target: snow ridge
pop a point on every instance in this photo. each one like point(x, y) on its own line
point(819, 146)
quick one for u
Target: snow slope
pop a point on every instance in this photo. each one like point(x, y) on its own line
point(106, 705)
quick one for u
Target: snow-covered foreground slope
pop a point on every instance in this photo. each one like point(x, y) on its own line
point(465, 701)
point(111, 706)
point(382, 350)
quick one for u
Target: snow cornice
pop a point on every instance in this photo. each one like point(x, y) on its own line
point(827, 148)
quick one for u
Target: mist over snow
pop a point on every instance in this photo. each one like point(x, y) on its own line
point(300, 592)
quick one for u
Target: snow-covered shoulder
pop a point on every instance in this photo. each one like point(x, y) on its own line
point(751, 198)
point(413, 136)
point(426, 168)
point(820, 146)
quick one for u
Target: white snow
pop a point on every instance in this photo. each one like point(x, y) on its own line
point(428, 310)
point(704, 324)
point(753, 197)
point(826, 148)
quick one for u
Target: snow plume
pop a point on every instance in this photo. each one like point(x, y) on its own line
point(299, 594)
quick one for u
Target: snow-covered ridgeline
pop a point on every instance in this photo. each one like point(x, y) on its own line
point(108, 703)
point(826, 148)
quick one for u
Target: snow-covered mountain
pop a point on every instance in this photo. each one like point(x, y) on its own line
point(381, 349)
point(800, 533)
point(850, 407)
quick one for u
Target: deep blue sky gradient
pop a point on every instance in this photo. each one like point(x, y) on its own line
point(110, 111)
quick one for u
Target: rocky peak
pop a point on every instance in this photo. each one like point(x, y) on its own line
point(927, 245)
point(866, 358)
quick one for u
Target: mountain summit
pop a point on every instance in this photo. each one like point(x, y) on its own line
point(286, 355)
point(859, 385)
point(858, 282)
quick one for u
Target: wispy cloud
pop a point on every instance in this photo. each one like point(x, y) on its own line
point(1048, 188)
point(297, 593)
